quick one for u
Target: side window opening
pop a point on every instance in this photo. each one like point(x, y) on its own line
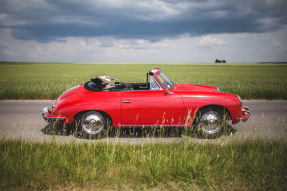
point(153, 84)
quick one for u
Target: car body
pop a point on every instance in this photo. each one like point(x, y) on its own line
point(157, 103)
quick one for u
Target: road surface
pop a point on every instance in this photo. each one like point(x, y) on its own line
point(22, 119)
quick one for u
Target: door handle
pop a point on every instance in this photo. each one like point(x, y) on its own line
point(127, 101)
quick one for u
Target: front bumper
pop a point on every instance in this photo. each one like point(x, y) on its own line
point(52, 118)
point(245, 114)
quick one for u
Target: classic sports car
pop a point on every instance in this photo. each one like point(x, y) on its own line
point(159, 102)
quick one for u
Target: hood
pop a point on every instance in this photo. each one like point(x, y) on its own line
point(70, 91)
point(193, 87)
point(199, 87)
point(68, 94)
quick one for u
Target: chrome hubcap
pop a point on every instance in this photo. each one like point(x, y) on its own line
point(211, 122)
point(92, 122)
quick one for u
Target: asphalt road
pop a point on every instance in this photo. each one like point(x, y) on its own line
point(23, 119)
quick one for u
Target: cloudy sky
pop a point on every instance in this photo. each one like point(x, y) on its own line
point(172, 31)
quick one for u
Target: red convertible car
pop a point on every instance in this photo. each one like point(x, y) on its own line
point(159, 102)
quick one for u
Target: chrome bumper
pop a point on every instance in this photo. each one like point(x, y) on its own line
point(245, 113)
point(50, 119)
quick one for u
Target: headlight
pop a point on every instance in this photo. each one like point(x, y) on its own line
point(239, 99)
point(50, 110)
point(45, 110)
point(54, 104)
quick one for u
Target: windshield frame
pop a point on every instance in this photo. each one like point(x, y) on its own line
point(165, 81)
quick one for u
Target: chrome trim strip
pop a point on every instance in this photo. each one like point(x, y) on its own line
point(70, 89)
point(157, 126)
point(52, 118)
point(239, 99)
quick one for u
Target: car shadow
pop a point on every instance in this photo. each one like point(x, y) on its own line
point(57, 129)
point(171, 132)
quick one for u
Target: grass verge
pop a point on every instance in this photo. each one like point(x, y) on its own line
point(254, 164)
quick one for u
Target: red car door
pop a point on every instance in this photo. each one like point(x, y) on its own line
point(151, 107)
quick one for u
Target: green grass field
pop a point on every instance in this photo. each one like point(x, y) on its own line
point(247, 165)
point(49, 80)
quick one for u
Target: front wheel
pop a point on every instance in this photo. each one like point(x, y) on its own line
point(91, 124)
point(210, 122)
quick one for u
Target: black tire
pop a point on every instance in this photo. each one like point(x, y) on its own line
point(210, 122)
point(91, 125)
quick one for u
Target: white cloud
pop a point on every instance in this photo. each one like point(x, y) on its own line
point(106, 41)
point(210, 42)
point(276, 44)
point(143, 44)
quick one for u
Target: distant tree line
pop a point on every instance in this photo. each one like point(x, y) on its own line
point(220, 61)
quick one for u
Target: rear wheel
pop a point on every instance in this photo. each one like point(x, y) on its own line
point(210, 122)
point(91, 124)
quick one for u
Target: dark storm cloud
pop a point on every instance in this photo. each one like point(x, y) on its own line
point(50, 20)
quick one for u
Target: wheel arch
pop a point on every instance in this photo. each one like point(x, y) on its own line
point(218, 107)
point(101, 112)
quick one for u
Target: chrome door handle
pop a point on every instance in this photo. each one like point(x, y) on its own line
point(127, 101)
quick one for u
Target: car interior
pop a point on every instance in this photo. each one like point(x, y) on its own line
point(97, 85)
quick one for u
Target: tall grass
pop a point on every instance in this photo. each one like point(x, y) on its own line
point(49, 80)
point(248, 165)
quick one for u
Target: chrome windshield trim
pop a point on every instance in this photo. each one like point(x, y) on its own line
point(161, 73)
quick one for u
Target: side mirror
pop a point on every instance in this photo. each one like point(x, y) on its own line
point(168, 92)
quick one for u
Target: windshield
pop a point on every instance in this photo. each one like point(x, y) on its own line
point(165, 81)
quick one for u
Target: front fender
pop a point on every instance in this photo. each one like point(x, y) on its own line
point(106, 101)
point(195, 102)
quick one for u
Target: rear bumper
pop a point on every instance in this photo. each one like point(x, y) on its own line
point(245, 114)
point(52, 118)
